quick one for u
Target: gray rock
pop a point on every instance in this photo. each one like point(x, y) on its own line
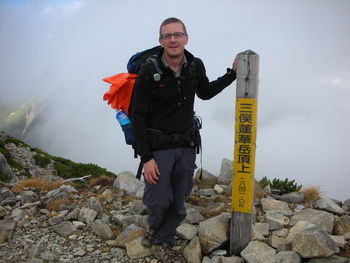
point(204, 179)
point(287, 257)
point(87, 215)
point(294, 198)
point(102, 230)
point(193, 252)
point(59, 193)
point(95, 204)
point(332, 259)
point(342, 225)
point(126, 220)
point(258, 252)
point(322, 219)
point(260, 231)
point(232, 259)
point(206, 192)
point(129, 234)
point(56, 220)
point(193, 216)
point(275, 220)
point(300, 226)
point(135, 249)
point(213, 232)
point(7, 229)
point(74, 215)
point(6, 171)
point(65, 228)
point(346, 205)
point(219, 189)
point(329, 205)
point(186, 231)
point(314, 244)
point(275, 205)
point(128, 183)
point(283, 232)
point(48, 256)
point(137, 207)
point(338, 240)
point(17, 214)
point(225, 176)
point(29, 197)
point(6, 194)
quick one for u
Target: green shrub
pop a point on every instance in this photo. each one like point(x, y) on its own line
point(283, 186)
point(41, 160)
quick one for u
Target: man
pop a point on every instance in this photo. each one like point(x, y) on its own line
point(164, 132)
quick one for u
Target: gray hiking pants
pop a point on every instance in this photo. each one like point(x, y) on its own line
point(165, 200)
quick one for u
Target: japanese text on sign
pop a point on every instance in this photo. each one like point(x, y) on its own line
point(244, 155)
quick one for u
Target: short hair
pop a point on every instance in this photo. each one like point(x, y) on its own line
point(169, 21)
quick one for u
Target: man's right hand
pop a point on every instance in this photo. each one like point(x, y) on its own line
point(151, 171)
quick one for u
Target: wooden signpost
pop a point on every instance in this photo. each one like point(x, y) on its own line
point(244, 150)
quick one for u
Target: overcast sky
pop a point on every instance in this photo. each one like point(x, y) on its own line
point(58, 51)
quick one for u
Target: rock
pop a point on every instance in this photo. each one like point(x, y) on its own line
point(287, 257)
point(283, 232)
point(135, 249)
point(64, 229)
point(219, 189)
point(275, 205)
point(74, 215)
point(186, 231)
point(275, 220)
point(300, 226)
point(102, 230)
point(87, 215)
point(59, 193)
point(56, 220)
point(338, 240)
point(78, 224)
point(214, 209)
point(213, 232)
point(294, 198)
point(126, 220)
point(17, 214)
point(7, 229)
point(204, 179)
point(258, 252)
point(332, 259)
point(128, 183)
point(346, 205)
point(129, 234)
point(95, 204)
point(260, 231)
point(193, 252)
point(48, 256)
point(137, 207)
point(206, 192)
point(232, 259)
point(29, 197)
point(193, 216)
point(329, 205)
point(322, 219)
point(313, 244)
point(6, 171)
point(342, 225)
point(225, 176)
point(6, 194)
point(277, 242)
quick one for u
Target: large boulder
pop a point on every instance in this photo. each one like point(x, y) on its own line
point(128, 183)
point(225, 176)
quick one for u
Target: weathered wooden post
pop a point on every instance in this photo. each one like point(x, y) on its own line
point(244, 151)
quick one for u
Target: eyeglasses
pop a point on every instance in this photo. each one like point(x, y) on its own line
point(176, 35)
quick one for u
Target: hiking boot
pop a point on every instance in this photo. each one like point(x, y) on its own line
point(148, 237)
point(165, 253)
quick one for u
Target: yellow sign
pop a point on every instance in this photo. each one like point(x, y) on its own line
point(244, 155)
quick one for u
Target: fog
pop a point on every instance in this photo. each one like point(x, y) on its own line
point(58, 52)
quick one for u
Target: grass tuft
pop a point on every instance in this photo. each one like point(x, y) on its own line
point(56, 204)
point(37, 183)
point(102, 180)
point(311, 194)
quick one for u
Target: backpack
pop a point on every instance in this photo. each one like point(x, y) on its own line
point(128, 80)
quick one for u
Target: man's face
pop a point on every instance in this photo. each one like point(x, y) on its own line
point(175, 44)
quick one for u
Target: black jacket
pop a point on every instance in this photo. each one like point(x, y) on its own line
point(167, 105)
